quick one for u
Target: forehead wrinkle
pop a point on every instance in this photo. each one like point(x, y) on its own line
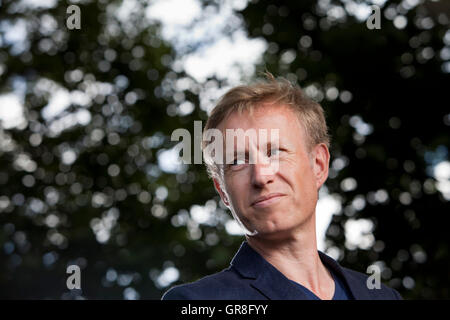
point(261, 110)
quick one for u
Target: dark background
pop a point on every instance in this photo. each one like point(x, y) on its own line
point(94, 194)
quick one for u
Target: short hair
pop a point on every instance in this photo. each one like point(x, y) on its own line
point(279, 92)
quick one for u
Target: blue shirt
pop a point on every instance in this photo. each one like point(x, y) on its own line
point(341, 291)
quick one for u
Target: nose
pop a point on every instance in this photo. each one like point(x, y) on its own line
point(261, 174)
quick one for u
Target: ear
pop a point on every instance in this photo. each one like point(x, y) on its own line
point(221, 192)
point(321, 163)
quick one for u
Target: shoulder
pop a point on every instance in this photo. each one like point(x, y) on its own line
point(222, 285)
point(383, 292)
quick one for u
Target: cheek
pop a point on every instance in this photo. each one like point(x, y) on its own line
point(299, 177)
point(236, 187)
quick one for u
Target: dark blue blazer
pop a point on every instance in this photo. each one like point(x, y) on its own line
point(251, 277)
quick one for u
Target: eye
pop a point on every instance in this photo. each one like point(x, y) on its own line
point(238, 162)
point(274, 152)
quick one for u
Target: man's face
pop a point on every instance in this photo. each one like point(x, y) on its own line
point(276, 202)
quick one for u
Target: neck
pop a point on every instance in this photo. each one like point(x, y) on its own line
point(297, 258)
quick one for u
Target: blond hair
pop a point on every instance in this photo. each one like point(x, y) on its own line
point(279, 92)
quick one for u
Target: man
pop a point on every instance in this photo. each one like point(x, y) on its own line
point(271, 187)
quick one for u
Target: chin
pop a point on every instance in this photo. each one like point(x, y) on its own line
point(274, 235)
point(272, 229)
point(278, 227)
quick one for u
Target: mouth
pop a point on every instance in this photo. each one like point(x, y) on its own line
point(267, 200)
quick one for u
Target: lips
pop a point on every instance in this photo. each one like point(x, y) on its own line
point(265, 199)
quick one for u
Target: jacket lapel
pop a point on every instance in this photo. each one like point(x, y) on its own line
point(357, 287)
point(266, 278)
point(275, 286)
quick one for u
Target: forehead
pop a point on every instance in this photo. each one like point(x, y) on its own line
point(267, 117)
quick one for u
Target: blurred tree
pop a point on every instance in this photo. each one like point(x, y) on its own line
point(80, 180)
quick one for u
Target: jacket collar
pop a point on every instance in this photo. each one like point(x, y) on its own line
point(358, 288)
point(275, 286)
point(267, 279)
